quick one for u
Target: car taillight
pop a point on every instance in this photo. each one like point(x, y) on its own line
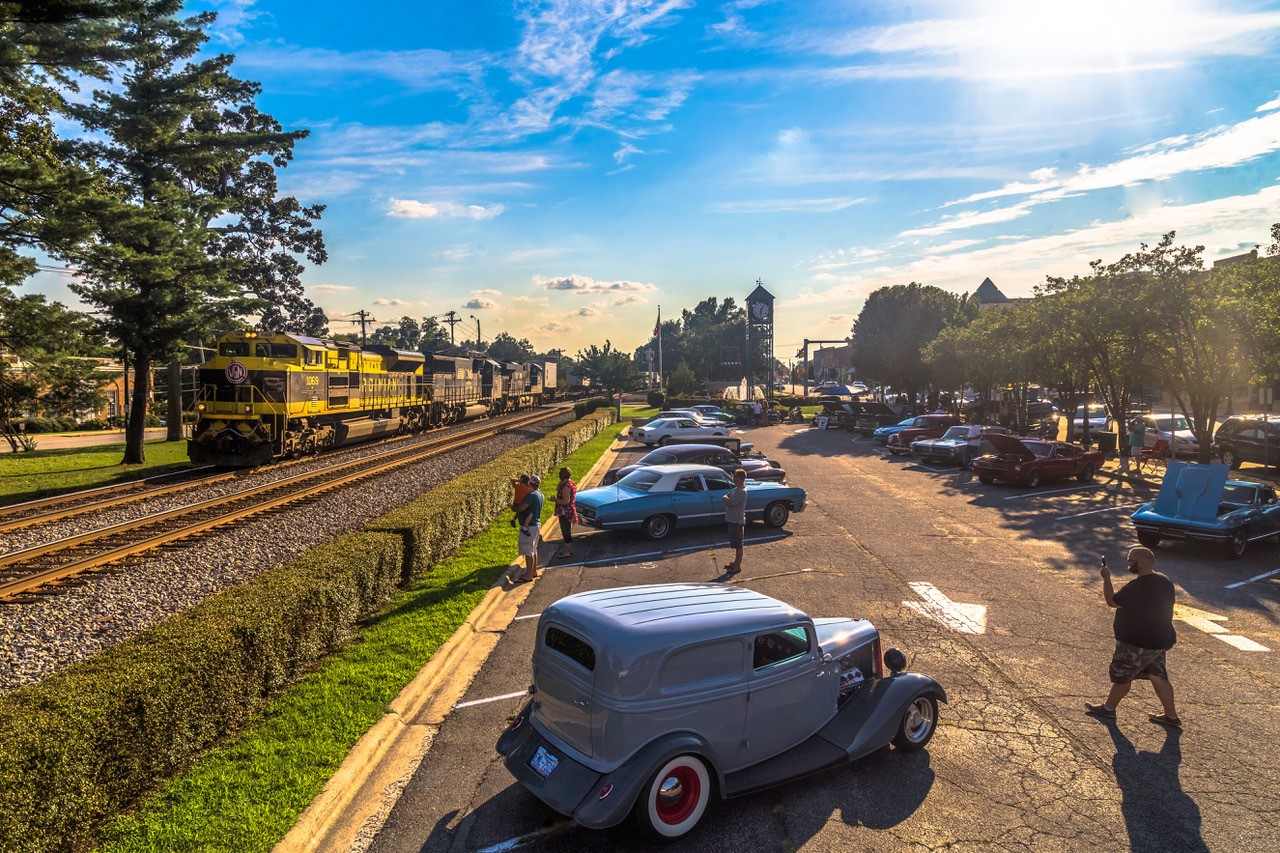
point(878, 658)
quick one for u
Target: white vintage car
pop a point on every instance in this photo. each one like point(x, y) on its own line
point(662, 430)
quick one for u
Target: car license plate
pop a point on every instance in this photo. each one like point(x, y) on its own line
point(543, 762)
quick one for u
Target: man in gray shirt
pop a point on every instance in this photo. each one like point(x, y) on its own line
point(735, 516)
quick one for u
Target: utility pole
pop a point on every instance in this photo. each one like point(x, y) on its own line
point(477, 319)
point(452, 319)
point(364, 318)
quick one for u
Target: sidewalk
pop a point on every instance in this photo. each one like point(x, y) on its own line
point(63, 440)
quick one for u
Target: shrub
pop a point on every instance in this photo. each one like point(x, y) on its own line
point(95, 423)
point(656, 399)
point(38, 425)
point(80, 747)
point(582, 408)
point(152, 421)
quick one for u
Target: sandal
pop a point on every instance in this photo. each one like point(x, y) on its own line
point(1166, 720)
point(1100, 710)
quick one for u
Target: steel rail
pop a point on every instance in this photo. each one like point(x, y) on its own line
point(291, 489)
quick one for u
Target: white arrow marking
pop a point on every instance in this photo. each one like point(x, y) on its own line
point(962, 618)
point(1096, 511)
point(1207, 622)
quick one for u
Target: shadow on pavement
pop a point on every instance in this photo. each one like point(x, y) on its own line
point(1158, 814)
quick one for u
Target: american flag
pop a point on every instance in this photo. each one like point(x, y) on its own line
point(657, 327)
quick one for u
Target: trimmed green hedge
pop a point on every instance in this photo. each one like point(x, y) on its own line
point(582, 408)
point(79, 747)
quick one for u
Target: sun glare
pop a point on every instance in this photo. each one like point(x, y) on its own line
point(1031, 38)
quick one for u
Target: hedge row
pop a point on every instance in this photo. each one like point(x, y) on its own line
point(582, 408)
point(81, 746)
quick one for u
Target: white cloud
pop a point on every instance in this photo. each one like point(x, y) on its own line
point(630, 299)
point(785, 205)
point(442, 209)
point(953, 246)
point(583, 284)
point(970, 219)
point(233, 17)
point(330, 288)
point(417, 70)
point(457, 253)
point(521, 256)
point(480, 303)
point(587, 311)
point(392, 302)
point(539, 302)
point(1273, 104)
point(486, 292)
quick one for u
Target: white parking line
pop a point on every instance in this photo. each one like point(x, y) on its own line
point(1244, 644)
point(1262, 576)
point(530, 616)
point(1095, 511)
point(490, 699)
point(1054, 491)
point(1207, 622)
point(962, 618)
point(521, 840)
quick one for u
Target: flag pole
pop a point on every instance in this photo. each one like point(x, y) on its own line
point(658, 331)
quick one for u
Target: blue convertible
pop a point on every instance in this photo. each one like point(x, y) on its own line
point(658, 498)
point(1198, 503)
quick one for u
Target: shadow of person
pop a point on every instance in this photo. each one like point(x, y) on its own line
point(1158, 814)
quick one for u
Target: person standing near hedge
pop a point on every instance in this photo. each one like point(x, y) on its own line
point(566, 510)
point(529, 517)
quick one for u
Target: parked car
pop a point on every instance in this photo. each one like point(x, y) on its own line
point(686, 413)
point(659, 498)
point(952, 447)
point(661, 430)
point(640, 702)
point(925, 426)
point(1174, 429)
point(1097, 418)
point(872, 416)
point(1035, 461)
point(884, 433)
point(715, 413)
point(757, 467)
point(1198, 503)
point(1248, 438)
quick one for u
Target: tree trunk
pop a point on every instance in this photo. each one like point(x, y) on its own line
point(174, 419)
point(135, 428)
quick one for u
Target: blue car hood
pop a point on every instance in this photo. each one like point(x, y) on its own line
point(1191, 491)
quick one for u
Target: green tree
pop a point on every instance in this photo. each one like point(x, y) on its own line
point(504, 348)
point(71, 385)
point(18, 392)
point(683, 382)
point(608, 368)
point(183, 149)
point(895, 326)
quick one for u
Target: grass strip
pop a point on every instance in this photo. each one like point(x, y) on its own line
point(26, 476)
point(247, 793)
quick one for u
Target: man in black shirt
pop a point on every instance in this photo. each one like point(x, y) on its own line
point(1144, 632)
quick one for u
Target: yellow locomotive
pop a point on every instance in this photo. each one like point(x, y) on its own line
point(270, 395)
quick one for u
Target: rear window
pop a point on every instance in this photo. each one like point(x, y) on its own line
point(576, 650)
point(641, 481)
point(660, 457)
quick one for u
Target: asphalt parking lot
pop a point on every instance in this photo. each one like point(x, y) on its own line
point(993, 591)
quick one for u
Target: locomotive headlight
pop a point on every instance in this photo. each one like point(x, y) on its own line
point(248, 408)
point(199, 407)
point(248, 336)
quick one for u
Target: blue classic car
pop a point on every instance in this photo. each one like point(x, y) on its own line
point(649, 700)
point(1198, 503)
point(658, 498)
point(882, 434)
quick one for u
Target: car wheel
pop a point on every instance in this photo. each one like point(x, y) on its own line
point(1148, 540)
point(662, 442)
point(776, 514)
point(1086, 473)
point(918, 724)
point(1229, 458)
point(985, 479)
point(657, 527)
point(1033, 478)
point(1239, 544)
point(675, 798)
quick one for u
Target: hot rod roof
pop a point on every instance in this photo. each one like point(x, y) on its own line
point(665, 614)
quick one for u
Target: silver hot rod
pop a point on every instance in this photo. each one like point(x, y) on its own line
point(647, 700)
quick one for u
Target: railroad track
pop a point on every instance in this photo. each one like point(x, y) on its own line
point(30, 572)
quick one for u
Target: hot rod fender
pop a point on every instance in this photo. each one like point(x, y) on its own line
point(877, 721)
point(629, 779)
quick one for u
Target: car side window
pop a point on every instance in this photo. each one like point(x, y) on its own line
point(1268, 496)
point(718, 484)
point(689, 483)
point(778, 647)
point(722, 459)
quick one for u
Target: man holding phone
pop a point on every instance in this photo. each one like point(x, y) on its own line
point(1144, 632)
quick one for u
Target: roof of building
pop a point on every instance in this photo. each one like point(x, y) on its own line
point(987, 292)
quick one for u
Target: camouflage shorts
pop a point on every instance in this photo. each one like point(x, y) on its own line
point(1131, 662)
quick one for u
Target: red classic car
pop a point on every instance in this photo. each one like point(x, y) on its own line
point(1032, 461)
point(931, 426)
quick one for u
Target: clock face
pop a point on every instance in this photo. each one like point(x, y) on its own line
point(760, 310)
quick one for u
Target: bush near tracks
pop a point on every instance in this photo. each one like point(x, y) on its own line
point(82, 746)
point(582, 408)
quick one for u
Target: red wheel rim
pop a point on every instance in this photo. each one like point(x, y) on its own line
point(684, 789)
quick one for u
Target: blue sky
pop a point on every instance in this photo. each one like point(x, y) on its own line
point(559, 169)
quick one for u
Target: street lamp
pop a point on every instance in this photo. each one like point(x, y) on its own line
point(473, 317)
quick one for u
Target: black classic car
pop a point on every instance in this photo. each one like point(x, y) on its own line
point(1248, 438)
point(756, 466)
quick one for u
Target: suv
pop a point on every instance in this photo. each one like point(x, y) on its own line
point(1248, 438)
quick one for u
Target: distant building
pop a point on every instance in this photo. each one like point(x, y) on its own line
point(833, 362)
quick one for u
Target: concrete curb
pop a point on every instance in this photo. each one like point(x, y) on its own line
point(356, 801)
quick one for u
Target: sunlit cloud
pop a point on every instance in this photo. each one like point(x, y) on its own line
point(487, 292)
point(330, 288)
point(480, 303)
point(585, 285)
point(417, 70)
point(392, 302)
point(410, 209)
point(785, 205)
point(233, 17)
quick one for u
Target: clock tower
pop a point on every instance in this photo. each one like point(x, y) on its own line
point(760, 338)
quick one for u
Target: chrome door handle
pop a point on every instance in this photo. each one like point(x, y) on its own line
point(582, 703)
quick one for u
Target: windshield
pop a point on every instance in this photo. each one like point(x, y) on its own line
point(640, 481)
point(1237, 494)
point(1178, 421)
point(659, 457)
point(907, 422)
point(957, 432)
point(1039, 448)
point(1096, 410)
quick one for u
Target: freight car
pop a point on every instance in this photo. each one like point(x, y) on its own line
point(265, 396)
